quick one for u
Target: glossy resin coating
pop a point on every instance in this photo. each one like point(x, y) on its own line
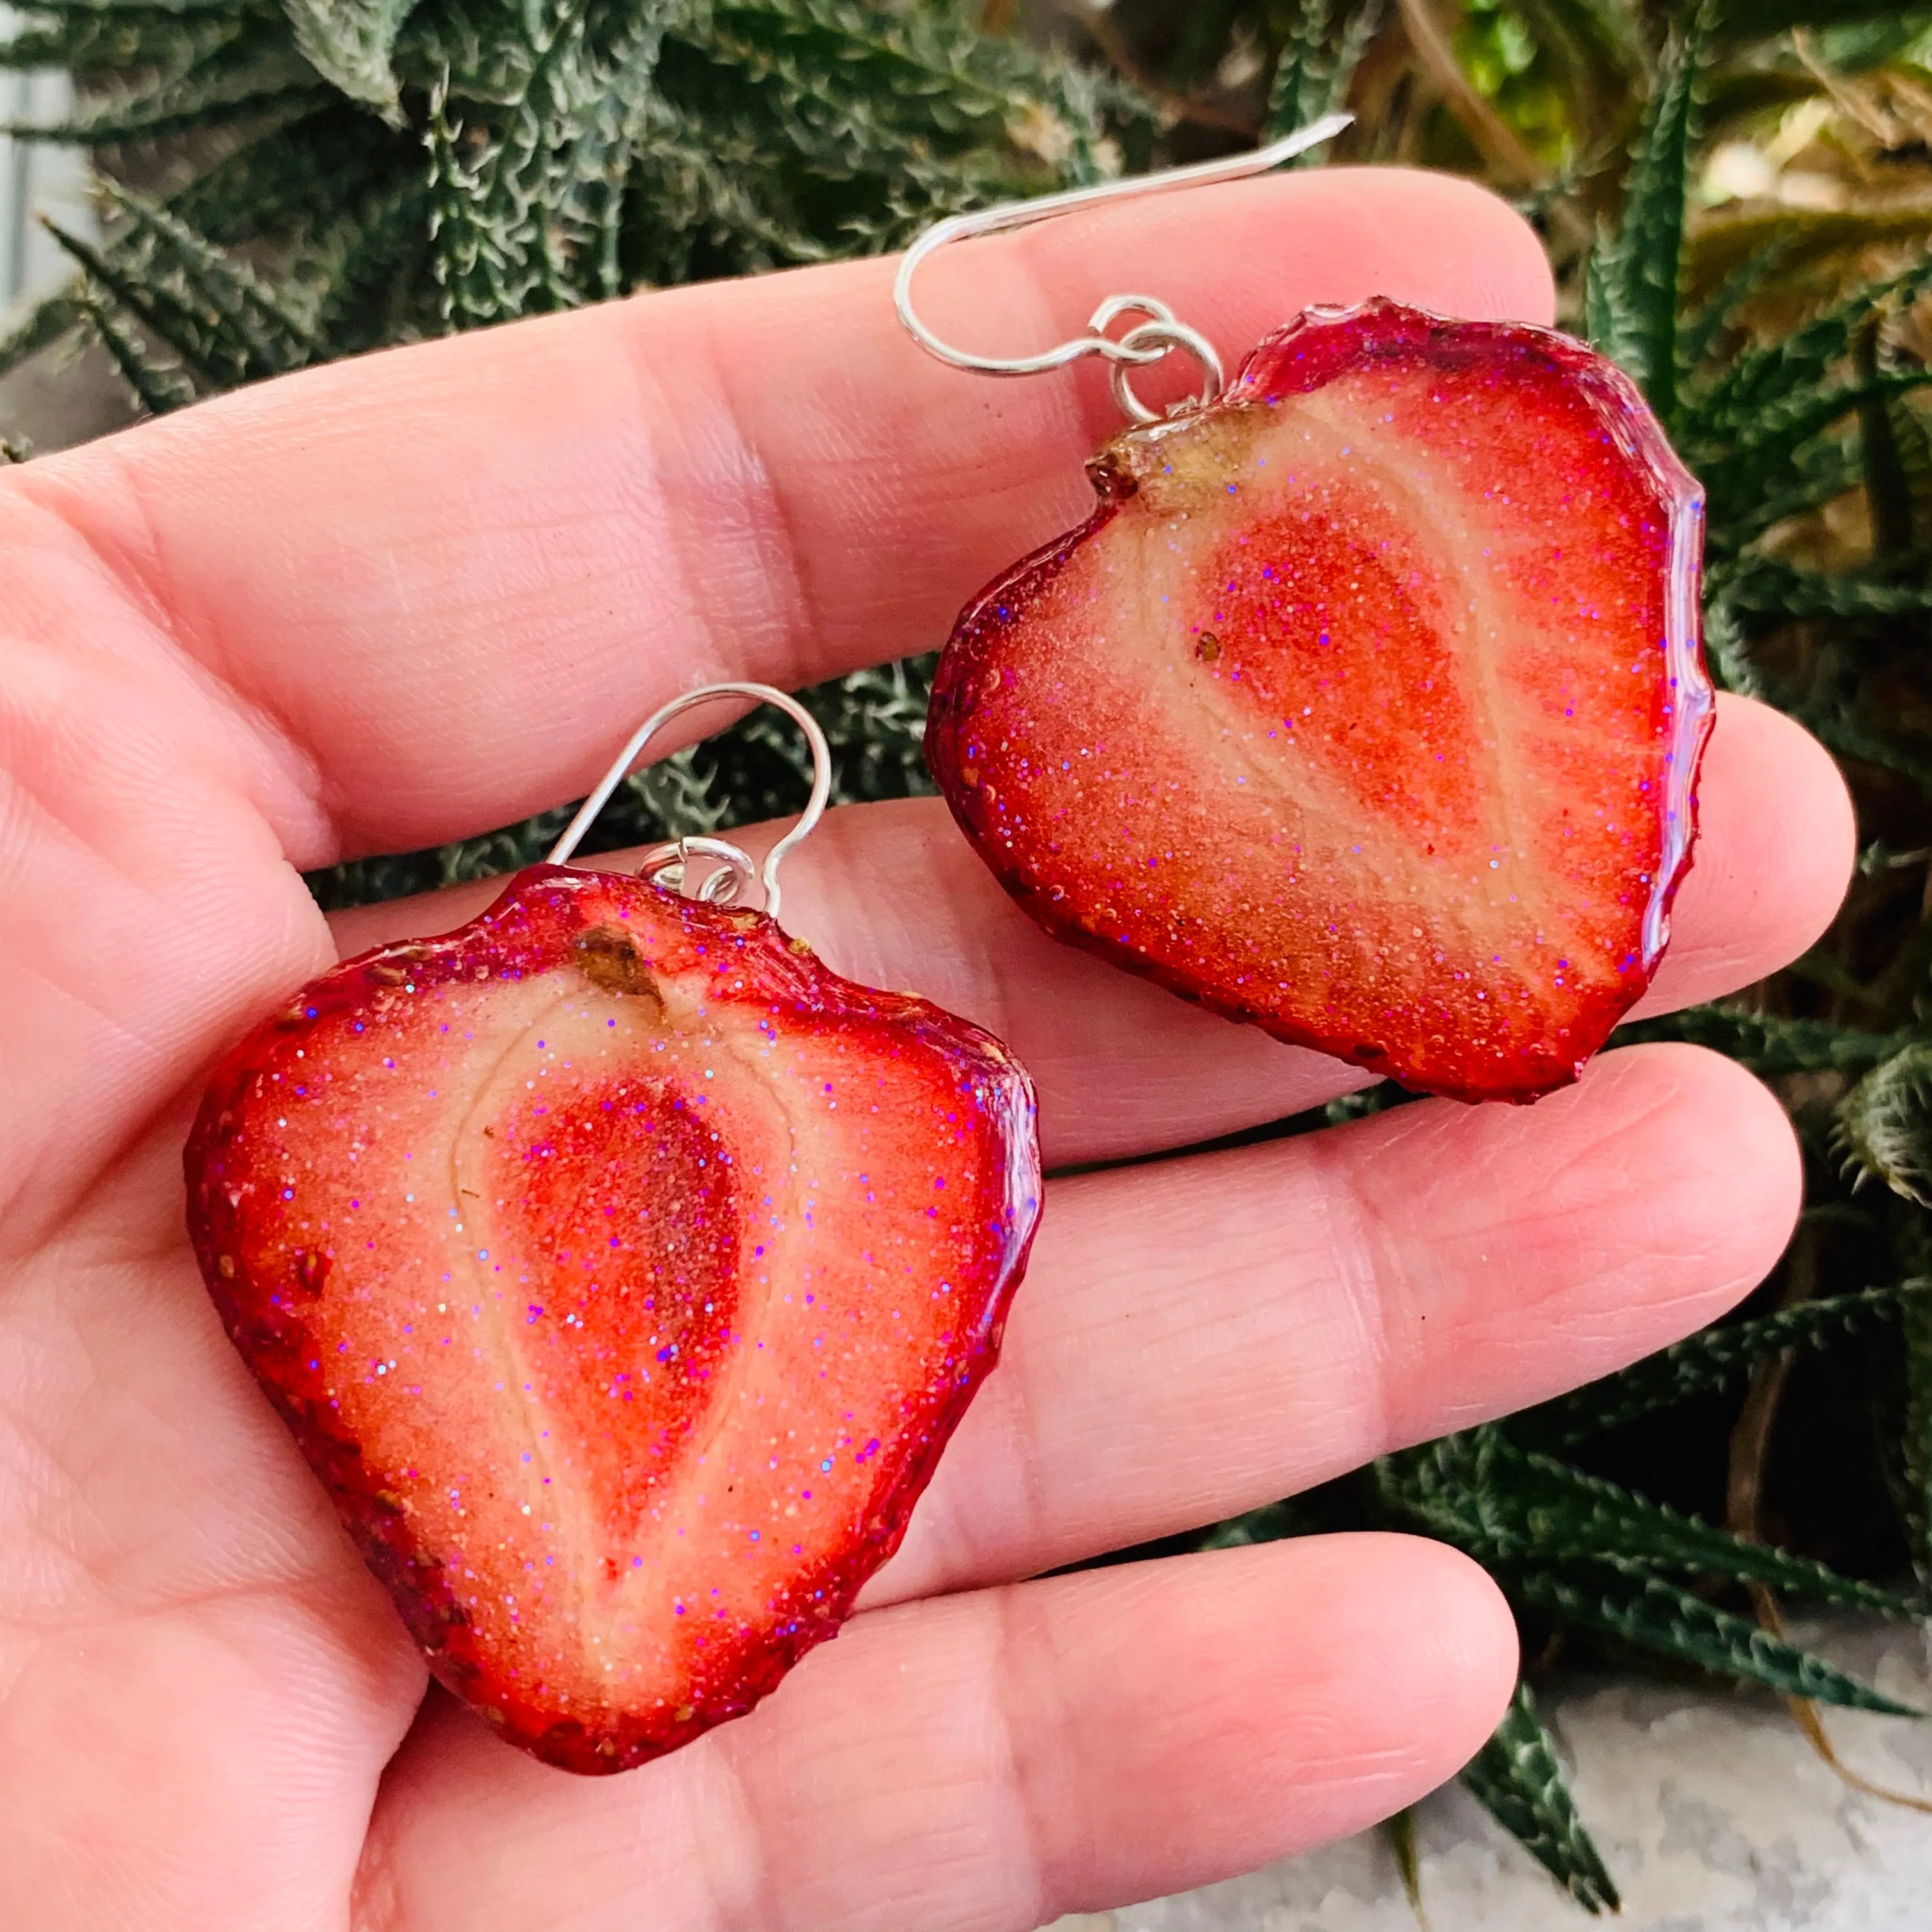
point(1366, 707)
point(622, 1272)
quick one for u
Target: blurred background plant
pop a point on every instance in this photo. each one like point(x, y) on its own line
point(1738, 204)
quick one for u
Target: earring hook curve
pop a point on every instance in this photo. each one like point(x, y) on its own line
point(721, 887)
point(1022, 213)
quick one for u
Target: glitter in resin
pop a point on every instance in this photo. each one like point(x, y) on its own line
point(1366, 707)
point(621, 1272)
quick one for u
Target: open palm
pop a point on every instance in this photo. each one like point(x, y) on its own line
point(399, 601)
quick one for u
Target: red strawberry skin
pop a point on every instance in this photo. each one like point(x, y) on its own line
point(621, 1272)
point(1366, 707)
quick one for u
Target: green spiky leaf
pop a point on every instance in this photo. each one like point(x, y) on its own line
point(1317, 63)
point(226, 323)
point(1516, 1776)
point(1898, 453)
point(1399, 1831)
point(43, 326)
point(1626, 1601)
point(350, 42)
point(1769, 1044)
point(1521, 1509)
point(1769, 587)
point(1772, 374)
point(159, 386)
point(1884, 1124)
point(225, 71)
point(1716, 1358)
point(1635, 273)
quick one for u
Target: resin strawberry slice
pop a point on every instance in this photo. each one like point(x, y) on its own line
point(621, 1272)
point(1366, 707)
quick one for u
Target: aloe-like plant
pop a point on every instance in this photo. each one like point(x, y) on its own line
point(289, 182)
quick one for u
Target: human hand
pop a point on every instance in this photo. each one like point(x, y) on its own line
point(394, 602)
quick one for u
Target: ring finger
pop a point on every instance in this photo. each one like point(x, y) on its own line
point(1200, 1335)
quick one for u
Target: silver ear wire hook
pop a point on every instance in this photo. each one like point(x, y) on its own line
point(1146, 342)
point(669, 865)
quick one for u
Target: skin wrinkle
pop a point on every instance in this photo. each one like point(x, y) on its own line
point(1405, 1344)
point(139, 579)
point(79, 692)
point(750, 1903)
point(80, 1539)
point(1370, 1286)
point(327, 1633)
point(1024, 1491)
point(755, 511)
point(150, 1057)
point(1045, 1721)
point(765, 517)
point(1400, 1362)
point(90, 1374)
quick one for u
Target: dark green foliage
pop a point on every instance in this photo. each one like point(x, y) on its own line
point(1915, 1457)
point(221, 71)
point(542, 156)
point(1625, 1601)
point(1316, 64)
point(349, 43)
point(226, 325)
point(159, 386)
point(1770, 1044)
point(1516, 1775)
point(1523, 1514)
point(1711, 1360)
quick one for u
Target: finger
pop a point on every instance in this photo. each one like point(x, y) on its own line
point(1776, 842)
point(986, 1763)
point(440, 570)
point(892, 896)
point(1198, 1337)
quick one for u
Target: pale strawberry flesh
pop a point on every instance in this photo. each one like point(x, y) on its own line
point(1366, 707)
point(621, 1272)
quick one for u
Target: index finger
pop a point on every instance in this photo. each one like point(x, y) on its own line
point(453, 574)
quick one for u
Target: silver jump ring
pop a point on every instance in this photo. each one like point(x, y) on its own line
point(1120, 352)
point(720, 888)
point(1169, 335)
point(669, 866)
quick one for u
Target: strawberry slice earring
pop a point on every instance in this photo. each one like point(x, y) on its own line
point(621, 1272)
point(1367, 705)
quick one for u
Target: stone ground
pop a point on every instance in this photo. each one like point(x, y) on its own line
point(1711, 1811)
